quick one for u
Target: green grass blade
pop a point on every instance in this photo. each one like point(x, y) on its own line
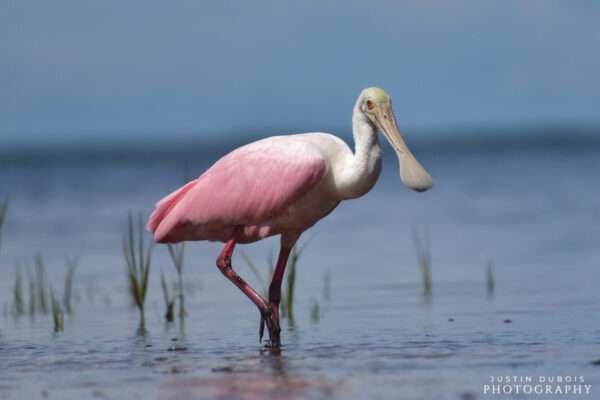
point(423, 249)
point(19, 304)
point(146, 271)
point(291, 282)
point(489, 277)
point(57, 313)
point(41, 283)
point(165, 288)
point(315, 312)
point(141, 248)
point(254, 269)
point(68, 289)
point(176, 253)
point(169, 301)
point(32, 292)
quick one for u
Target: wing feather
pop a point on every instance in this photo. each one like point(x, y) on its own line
point(247, 187)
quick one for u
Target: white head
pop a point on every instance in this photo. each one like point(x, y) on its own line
point(376, 105)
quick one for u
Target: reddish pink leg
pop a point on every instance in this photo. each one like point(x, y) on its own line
point(224, 264)
point(275, 287)
point(275, 296)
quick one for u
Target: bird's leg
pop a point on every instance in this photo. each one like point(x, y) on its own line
point(224, 264)
point(275, 292)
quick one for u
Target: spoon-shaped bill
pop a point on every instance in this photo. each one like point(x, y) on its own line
point(412, 172)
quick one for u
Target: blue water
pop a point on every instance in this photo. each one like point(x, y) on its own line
point(531, 211)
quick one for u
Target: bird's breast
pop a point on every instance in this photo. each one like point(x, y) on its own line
point(307, 211)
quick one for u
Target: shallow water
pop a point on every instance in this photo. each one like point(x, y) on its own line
point(533, 212)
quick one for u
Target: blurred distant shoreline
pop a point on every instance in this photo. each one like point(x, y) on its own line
point(100, 147)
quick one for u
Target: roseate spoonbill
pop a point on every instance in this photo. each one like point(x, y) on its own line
point(283, 185)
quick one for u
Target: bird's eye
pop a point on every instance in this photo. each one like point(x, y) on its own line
point(369, 105)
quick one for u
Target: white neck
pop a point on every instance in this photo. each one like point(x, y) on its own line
point(364, 167)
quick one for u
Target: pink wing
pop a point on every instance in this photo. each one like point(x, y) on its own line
point(247, 187)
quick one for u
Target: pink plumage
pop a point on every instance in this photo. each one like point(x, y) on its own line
point(247, 188)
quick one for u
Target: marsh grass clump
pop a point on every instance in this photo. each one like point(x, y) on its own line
point(423, 248)
point(58, 315)
point(489, 279)
point(176, 252)
point(138, 259)
point(38, 293)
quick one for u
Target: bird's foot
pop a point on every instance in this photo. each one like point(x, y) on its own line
point(270, 318)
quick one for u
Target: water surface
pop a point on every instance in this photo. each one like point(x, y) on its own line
point(532, 212)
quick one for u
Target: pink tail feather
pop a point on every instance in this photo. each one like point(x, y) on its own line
point(165, 205)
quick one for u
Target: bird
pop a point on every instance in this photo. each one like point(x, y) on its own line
point(283, 185)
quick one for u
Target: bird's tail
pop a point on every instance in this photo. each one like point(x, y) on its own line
point(165, 205)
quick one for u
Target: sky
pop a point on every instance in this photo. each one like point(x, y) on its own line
point(143, 70)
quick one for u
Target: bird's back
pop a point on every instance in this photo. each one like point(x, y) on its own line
point(247, 187)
